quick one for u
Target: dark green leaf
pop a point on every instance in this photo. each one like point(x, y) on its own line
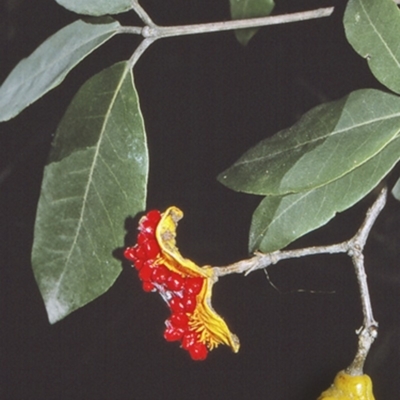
point(373, 29)
point(48, 65)
point(96, 7)
point(328, 142)
point(95, 179)
point(279, 220)
point(241, 9)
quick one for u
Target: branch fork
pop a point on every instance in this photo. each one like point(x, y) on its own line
point(354, 249)
point(152, 32)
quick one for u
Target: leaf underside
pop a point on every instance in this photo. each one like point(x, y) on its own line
point(96, 177)
point(373, 29)
point(279, 220)
point(49, 64)
point(327, 143)
point(96, 7)
point(241, 9)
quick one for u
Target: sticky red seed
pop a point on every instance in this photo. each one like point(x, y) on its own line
point(139, 264)
point(193, 285)
point(139, 252)
point(189, 339)
point(160, 274)
point(198, 351)
point(150, 221)
point(180, 320)
point(189, 303)
point(172, 334)
point(154, 216)
point(175, 282)
point(152, 249)
point(146, 271)
point(129, 254)
point(143, 237)
point(148, 286)
point(176, 305)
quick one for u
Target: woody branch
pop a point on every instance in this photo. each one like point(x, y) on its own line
point(354, 248)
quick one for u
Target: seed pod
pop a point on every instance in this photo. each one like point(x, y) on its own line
point(348, 387)
point(186, 287)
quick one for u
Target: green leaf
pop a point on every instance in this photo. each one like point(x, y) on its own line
point(279, 220)
point(241, 9)
point(96, 7)
point(396, 190)
point(373, 29)
point(49, 64)
point(96, 177)
point(325, 144)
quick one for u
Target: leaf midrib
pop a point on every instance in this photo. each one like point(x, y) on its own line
point(88, 185)
point(379, 35)
point(32, 77)
point(278, 153)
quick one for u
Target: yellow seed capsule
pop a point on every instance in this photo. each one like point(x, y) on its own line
point(211, 328)
point(348, 387)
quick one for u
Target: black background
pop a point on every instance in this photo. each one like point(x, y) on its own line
point(205, 100)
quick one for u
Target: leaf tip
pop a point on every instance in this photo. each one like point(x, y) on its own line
point(56, 310)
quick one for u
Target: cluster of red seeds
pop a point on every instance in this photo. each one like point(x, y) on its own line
point(179, 292)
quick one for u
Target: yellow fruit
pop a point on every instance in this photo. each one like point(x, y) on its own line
point(348, 387)
point(211, 328)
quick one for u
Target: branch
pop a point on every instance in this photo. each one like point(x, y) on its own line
point(354, 248)
point(152, 30)
point(140, 11)
point(168, 31)
point(263, 260)
point(139, 51)
point(155, 32)
point(369, 331)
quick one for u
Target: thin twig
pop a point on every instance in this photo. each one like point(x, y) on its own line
point(151, 30)
point(158, 32)
point(168, 31)
point(139, 51)
point(369, 331)
point(141, 12)
point(372, 215)
point(261, 260)
point(133, 30)
point(155, 32)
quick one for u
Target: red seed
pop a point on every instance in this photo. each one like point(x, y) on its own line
point(149, 222)
point(189, 303)
point(139, 252)
point(194, 285)
point(152, 249)
point(172, 334)
point(139, 264)
point(148, 286)
point(176, 305)
point(175, 282)
point(198, 351)
point(129, 254)
point(146, 271)
point(189, 339)
point(180, 320)
point(154, 216)
point(143, 237)
point(160, 274)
